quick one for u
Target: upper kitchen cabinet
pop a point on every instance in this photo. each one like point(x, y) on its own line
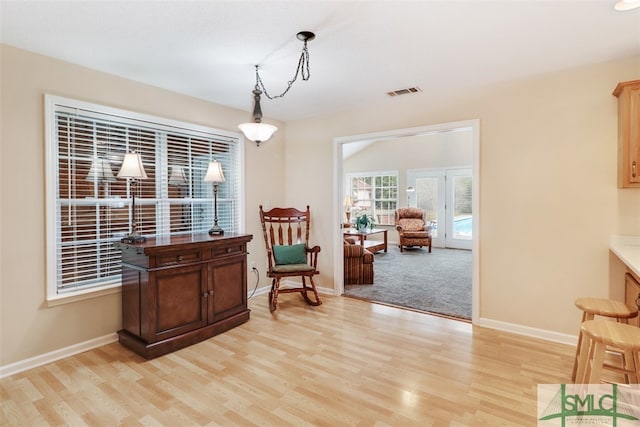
point(628, 94)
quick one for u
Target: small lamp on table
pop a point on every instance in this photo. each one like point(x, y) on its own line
point(348, 204)
point(133, 170)
point(214, 174)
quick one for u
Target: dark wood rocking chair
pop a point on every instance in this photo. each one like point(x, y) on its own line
point(286, 236)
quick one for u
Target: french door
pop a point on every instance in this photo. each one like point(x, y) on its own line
point(445, 195)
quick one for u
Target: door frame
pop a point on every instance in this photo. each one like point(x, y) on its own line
point(338, 185)
point(444, 176)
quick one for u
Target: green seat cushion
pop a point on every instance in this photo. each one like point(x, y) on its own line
point(290, 254)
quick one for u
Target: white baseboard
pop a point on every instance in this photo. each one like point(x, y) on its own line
point(542, 334)
point(52, 356)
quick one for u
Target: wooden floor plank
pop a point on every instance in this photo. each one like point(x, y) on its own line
point(346, 362)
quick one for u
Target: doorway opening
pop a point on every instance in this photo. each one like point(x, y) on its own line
point(346, 144)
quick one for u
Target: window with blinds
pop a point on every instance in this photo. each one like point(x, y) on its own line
point(89, 208)
point(375, 194)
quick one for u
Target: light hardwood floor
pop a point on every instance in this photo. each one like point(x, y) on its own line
point(345, 363)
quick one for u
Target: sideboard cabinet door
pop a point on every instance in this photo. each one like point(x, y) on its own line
point(177, 299)
point(228, 300)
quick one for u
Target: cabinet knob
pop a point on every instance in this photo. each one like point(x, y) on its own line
point(634, 169)
point(638, 302)
point(180, 257)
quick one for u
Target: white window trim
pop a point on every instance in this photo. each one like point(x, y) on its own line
point(51, 102)
point(374, 174)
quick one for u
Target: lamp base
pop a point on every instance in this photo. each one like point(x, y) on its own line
point(216, 231)
point(133, 239)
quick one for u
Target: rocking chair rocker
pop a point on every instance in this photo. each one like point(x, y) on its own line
point(286, 236)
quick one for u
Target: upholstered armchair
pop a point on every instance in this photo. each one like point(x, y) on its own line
point(412, 228)
point(358, 264)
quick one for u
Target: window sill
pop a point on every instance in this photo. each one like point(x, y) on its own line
point(81, 296)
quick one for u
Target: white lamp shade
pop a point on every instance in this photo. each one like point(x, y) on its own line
point(132, 167)
point(100, 171)
point(623, 5)
point(257, 132)
point(214, 172)
point(178, 176)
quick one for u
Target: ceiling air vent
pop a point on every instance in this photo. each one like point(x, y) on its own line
point(406, 91)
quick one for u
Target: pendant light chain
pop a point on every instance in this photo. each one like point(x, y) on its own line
point(257, 131)
point(303, 69)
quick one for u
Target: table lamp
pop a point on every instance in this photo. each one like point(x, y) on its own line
point(133, 170)
point(214, 174)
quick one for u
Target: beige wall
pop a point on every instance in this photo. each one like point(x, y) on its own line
point(548, 188)
point(27, 326)
point(548, 195)
point(433, 151)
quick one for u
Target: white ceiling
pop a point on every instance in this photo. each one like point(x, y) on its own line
point(208, 49)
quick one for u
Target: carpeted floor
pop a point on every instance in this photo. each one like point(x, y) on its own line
point(437, 282)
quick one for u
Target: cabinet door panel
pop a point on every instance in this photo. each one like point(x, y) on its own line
point(180, 304)
point(634, 138)
point(229, 297)
point(628, 94)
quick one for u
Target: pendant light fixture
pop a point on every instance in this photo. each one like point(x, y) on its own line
point(257, 131)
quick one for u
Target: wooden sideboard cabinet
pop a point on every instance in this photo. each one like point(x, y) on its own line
point(179, 290)
point(628, 94)
point(632, 293)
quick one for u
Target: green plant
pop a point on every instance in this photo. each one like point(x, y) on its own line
point(363, 222)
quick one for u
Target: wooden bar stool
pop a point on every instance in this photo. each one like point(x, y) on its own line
point(599, 334)
point(592, 307)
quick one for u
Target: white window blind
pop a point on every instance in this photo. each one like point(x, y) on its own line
point(374, 193)
point(89, 208)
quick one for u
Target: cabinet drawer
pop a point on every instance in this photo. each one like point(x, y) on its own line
point(178, 258)
point(228, 250)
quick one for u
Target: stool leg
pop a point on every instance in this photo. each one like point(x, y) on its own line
point(628, 363)
point(583, 359)
point(585, 317)
point(596, 363)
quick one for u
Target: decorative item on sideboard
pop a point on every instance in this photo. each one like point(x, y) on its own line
point(133, 170)
point(214, 174)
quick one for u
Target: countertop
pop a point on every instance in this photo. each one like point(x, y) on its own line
point(627, 248)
